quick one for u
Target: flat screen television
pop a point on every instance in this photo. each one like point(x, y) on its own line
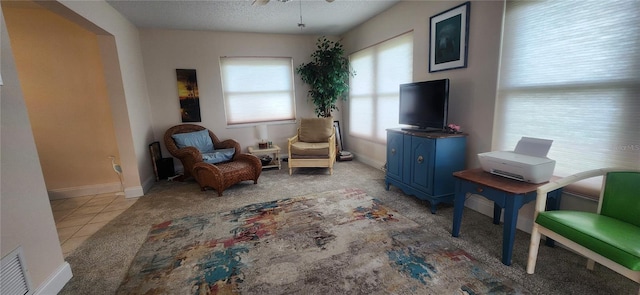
point(424, 105)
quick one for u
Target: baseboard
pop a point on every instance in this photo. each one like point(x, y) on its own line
point(79, 191)
point(56, 280)
point(147, 184)
point(133, 192)
point(368, 161)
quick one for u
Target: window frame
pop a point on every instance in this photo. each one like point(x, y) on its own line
point(377, 98)
point(228, 92)
point(588, 99)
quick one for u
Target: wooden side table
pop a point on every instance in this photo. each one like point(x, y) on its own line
point(274, 150)
point(505, 193)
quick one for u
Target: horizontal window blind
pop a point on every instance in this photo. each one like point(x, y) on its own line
point(257, 89)
point(374, 90)
point(570, 72)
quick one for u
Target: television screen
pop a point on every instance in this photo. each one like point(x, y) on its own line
point(424, 105)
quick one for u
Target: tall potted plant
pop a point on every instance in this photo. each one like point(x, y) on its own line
point(327, 76)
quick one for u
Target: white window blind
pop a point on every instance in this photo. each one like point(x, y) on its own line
point(257, 89)
point(373, 91)
point(570, 72)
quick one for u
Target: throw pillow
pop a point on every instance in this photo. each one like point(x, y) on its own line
point(315, 129)
point(198, 139)
point(218, 156)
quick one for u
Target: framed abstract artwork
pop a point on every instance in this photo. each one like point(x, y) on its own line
point(188, 95)
point(449, 38)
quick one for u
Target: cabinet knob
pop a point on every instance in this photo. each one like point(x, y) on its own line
point(393, 151)
point(420, 159)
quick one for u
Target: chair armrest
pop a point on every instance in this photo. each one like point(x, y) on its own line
point(332, 144)
point(541, 199)
point(230, 143)
point(291, 141)
point(188, 152)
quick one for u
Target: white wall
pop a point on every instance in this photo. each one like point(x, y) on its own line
point(73, 152)
point(25, 215)
point(122, 57)
point(164, 51)
point(473, 89)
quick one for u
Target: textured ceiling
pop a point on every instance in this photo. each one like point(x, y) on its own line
point(319, 16)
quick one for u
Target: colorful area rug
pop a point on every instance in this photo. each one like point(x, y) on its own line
point(338, 242)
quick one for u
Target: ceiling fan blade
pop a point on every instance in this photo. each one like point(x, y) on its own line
point(259, 2)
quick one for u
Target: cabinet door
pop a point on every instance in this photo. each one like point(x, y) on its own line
point(449, 157)
point(394, 155)
point(422, 164)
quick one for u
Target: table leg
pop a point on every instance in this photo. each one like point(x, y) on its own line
point(458, 206)
point(510, 219)
point(497, 211)
point(434, 208)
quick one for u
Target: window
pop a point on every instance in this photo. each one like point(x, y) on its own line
point(257, 89)
point(570, 72)
point(373, 91)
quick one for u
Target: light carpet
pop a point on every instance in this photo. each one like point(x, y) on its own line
point(336, 242)
point(102, 262)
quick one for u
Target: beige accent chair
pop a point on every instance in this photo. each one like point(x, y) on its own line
point(314, 145)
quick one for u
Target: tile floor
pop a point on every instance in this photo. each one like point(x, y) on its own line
point(78, 218)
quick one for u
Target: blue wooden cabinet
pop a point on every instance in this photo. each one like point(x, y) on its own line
point(421, 164)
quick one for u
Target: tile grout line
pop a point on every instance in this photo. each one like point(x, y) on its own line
point(67, 216)
point(102, 211)
point(92, 215)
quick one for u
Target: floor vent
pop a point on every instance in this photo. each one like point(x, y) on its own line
point(14, 274)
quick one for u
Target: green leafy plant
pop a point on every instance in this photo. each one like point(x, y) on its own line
point(327, 76)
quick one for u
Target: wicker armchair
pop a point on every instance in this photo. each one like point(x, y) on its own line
point(218, 176)
point(189, 156)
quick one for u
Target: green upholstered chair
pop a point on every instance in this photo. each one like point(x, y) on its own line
point(610, 237)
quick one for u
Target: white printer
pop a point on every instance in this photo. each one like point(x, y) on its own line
point(528, 162)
